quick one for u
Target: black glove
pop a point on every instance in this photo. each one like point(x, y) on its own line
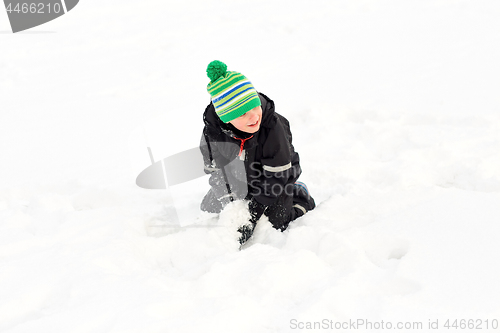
point(256, 210)
point(246, 231)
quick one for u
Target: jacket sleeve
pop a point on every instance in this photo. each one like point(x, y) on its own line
point(280, 166)
point(214, 164)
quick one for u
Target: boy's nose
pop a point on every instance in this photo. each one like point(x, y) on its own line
point(253, 116)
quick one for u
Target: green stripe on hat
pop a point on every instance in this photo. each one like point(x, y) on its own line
point(224, 82)
point(252, 102)
point(229, 96)
point(232, 93)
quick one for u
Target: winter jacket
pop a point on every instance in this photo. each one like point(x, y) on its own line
point(245, 166)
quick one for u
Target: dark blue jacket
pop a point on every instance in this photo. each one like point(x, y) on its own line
point(243, 165)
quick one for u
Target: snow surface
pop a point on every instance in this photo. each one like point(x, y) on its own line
point(395, 111)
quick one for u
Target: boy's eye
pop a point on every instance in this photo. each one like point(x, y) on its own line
point(243, 114)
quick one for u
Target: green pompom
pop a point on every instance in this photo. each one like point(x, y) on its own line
point(216, 69)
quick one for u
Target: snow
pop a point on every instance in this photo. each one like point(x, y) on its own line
point(395, 113)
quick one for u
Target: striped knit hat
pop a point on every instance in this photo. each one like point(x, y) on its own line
point(232, 93)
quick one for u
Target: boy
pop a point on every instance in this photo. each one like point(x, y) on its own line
point(248, 152)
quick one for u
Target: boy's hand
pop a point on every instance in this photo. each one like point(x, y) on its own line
point(246, 232)
point(256, 210)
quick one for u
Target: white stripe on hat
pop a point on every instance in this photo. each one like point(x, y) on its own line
point(235, 100)
point(229, 88)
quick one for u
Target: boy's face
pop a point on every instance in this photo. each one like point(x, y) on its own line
point(250, 121)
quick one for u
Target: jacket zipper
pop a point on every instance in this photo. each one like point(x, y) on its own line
point(242, 144)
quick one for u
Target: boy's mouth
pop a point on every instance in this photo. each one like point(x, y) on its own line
point(254, 124)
